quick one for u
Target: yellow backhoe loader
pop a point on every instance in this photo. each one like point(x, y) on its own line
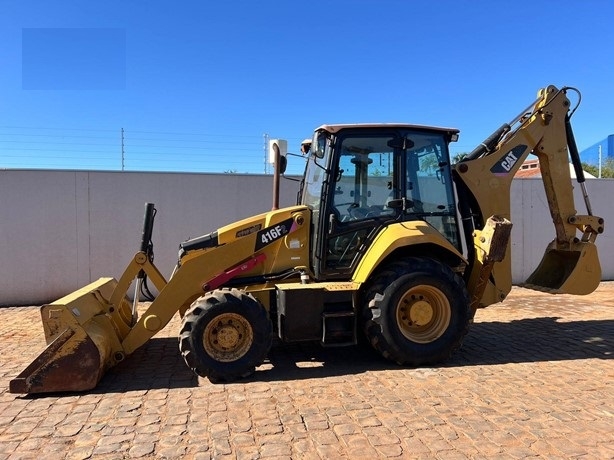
point(389, 239)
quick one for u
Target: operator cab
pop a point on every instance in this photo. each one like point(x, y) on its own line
point(361, 178)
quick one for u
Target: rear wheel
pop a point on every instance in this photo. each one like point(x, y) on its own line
point(416, 311)
point(225, 335)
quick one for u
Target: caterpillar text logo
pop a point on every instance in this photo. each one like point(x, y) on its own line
point(510, 159)
point(509, 162)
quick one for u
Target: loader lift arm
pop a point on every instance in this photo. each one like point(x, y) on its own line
point(570, 263)
point(94, 328)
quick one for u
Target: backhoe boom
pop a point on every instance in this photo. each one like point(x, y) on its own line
point(570, 264)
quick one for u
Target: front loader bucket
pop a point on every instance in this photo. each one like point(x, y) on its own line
point(567, 271)
point(84, 334)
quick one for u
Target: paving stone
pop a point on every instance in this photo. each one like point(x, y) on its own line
point(316, 422)
point(273, 428)
point(296, 430)
point(249, 453)
point(324, 437)
point(81, 453)
point(328, 451)
point(533, 380)
point(345, 429)
point(141, 450)
point(221, 447)
point(175, 452)
point(275, 450)
point(389, 450)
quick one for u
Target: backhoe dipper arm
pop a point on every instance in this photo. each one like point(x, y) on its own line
point(484, 178)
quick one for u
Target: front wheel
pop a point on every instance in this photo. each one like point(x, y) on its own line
point(416, 311)
point(225, 334)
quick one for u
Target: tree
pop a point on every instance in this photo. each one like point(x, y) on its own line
point(429, 164)
point(459, 156)
point(607, 168)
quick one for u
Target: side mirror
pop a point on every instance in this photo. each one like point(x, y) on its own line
point(283, 163)
point(305, 146)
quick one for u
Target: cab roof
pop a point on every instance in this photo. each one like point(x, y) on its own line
point(334, 128)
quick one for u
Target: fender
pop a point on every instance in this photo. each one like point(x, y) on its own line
point(397, 236)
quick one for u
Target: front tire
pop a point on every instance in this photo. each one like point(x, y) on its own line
point(416, 311)
point(225, 334)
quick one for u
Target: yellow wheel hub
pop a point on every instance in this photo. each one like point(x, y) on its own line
point(423, 314)
point(228, 337)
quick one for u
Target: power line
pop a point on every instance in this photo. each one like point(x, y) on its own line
point(154, 150)
point(59, 129)
point(57, 143)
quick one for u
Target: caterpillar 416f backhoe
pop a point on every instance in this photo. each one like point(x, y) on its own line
point(388, 239)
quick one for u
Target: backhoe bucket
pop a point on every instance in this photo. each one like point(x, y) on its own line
point(567, 271)
point(84, 334)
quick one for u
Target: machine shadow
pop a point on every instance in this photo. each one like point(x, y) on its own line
point(526, 340)
point(535, 340)
point(156, 365)
point(159, 365)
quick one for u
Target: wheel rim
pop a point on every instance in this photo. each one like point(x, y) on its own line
point(423, 314)
point(228, 337)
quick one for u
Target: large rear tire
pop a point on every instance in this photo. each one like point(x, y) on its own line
point(225, 334)
point(416, 311)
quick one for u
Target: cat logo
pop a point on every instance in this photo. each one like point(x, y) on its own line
point(509, 162)
point(505, 165)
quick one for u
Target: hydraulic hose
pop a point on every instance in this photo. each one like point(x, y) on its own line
point(146, 247)
point(490, 143)
point(148, 221)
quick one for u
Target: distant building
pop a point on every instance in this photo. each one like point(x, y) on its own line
point(530, 168)
point(590, 155)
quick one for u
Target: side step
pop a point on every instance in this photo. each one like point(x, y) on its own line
point(323, 312)
point(338, 329)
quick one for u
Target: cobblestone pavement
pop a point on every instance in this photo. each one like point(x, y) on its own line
point(534, 379)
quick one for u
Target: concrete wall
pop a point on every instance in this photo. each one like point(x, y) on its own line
point(533, 228)
point(60, 230)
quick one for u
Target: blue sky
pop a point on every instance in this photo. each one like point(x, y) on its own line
point(196, 84)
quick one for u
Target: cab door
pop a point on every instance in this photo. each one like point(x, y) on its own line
point(362, 183)
point(377, 177)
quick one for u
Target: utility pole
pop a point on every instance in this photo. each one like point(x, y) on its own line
point(122, 149)
point(599, 175)
point(266, 152)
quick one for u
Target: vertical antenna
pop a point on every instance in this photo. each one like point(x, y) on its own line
point(122, 149)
